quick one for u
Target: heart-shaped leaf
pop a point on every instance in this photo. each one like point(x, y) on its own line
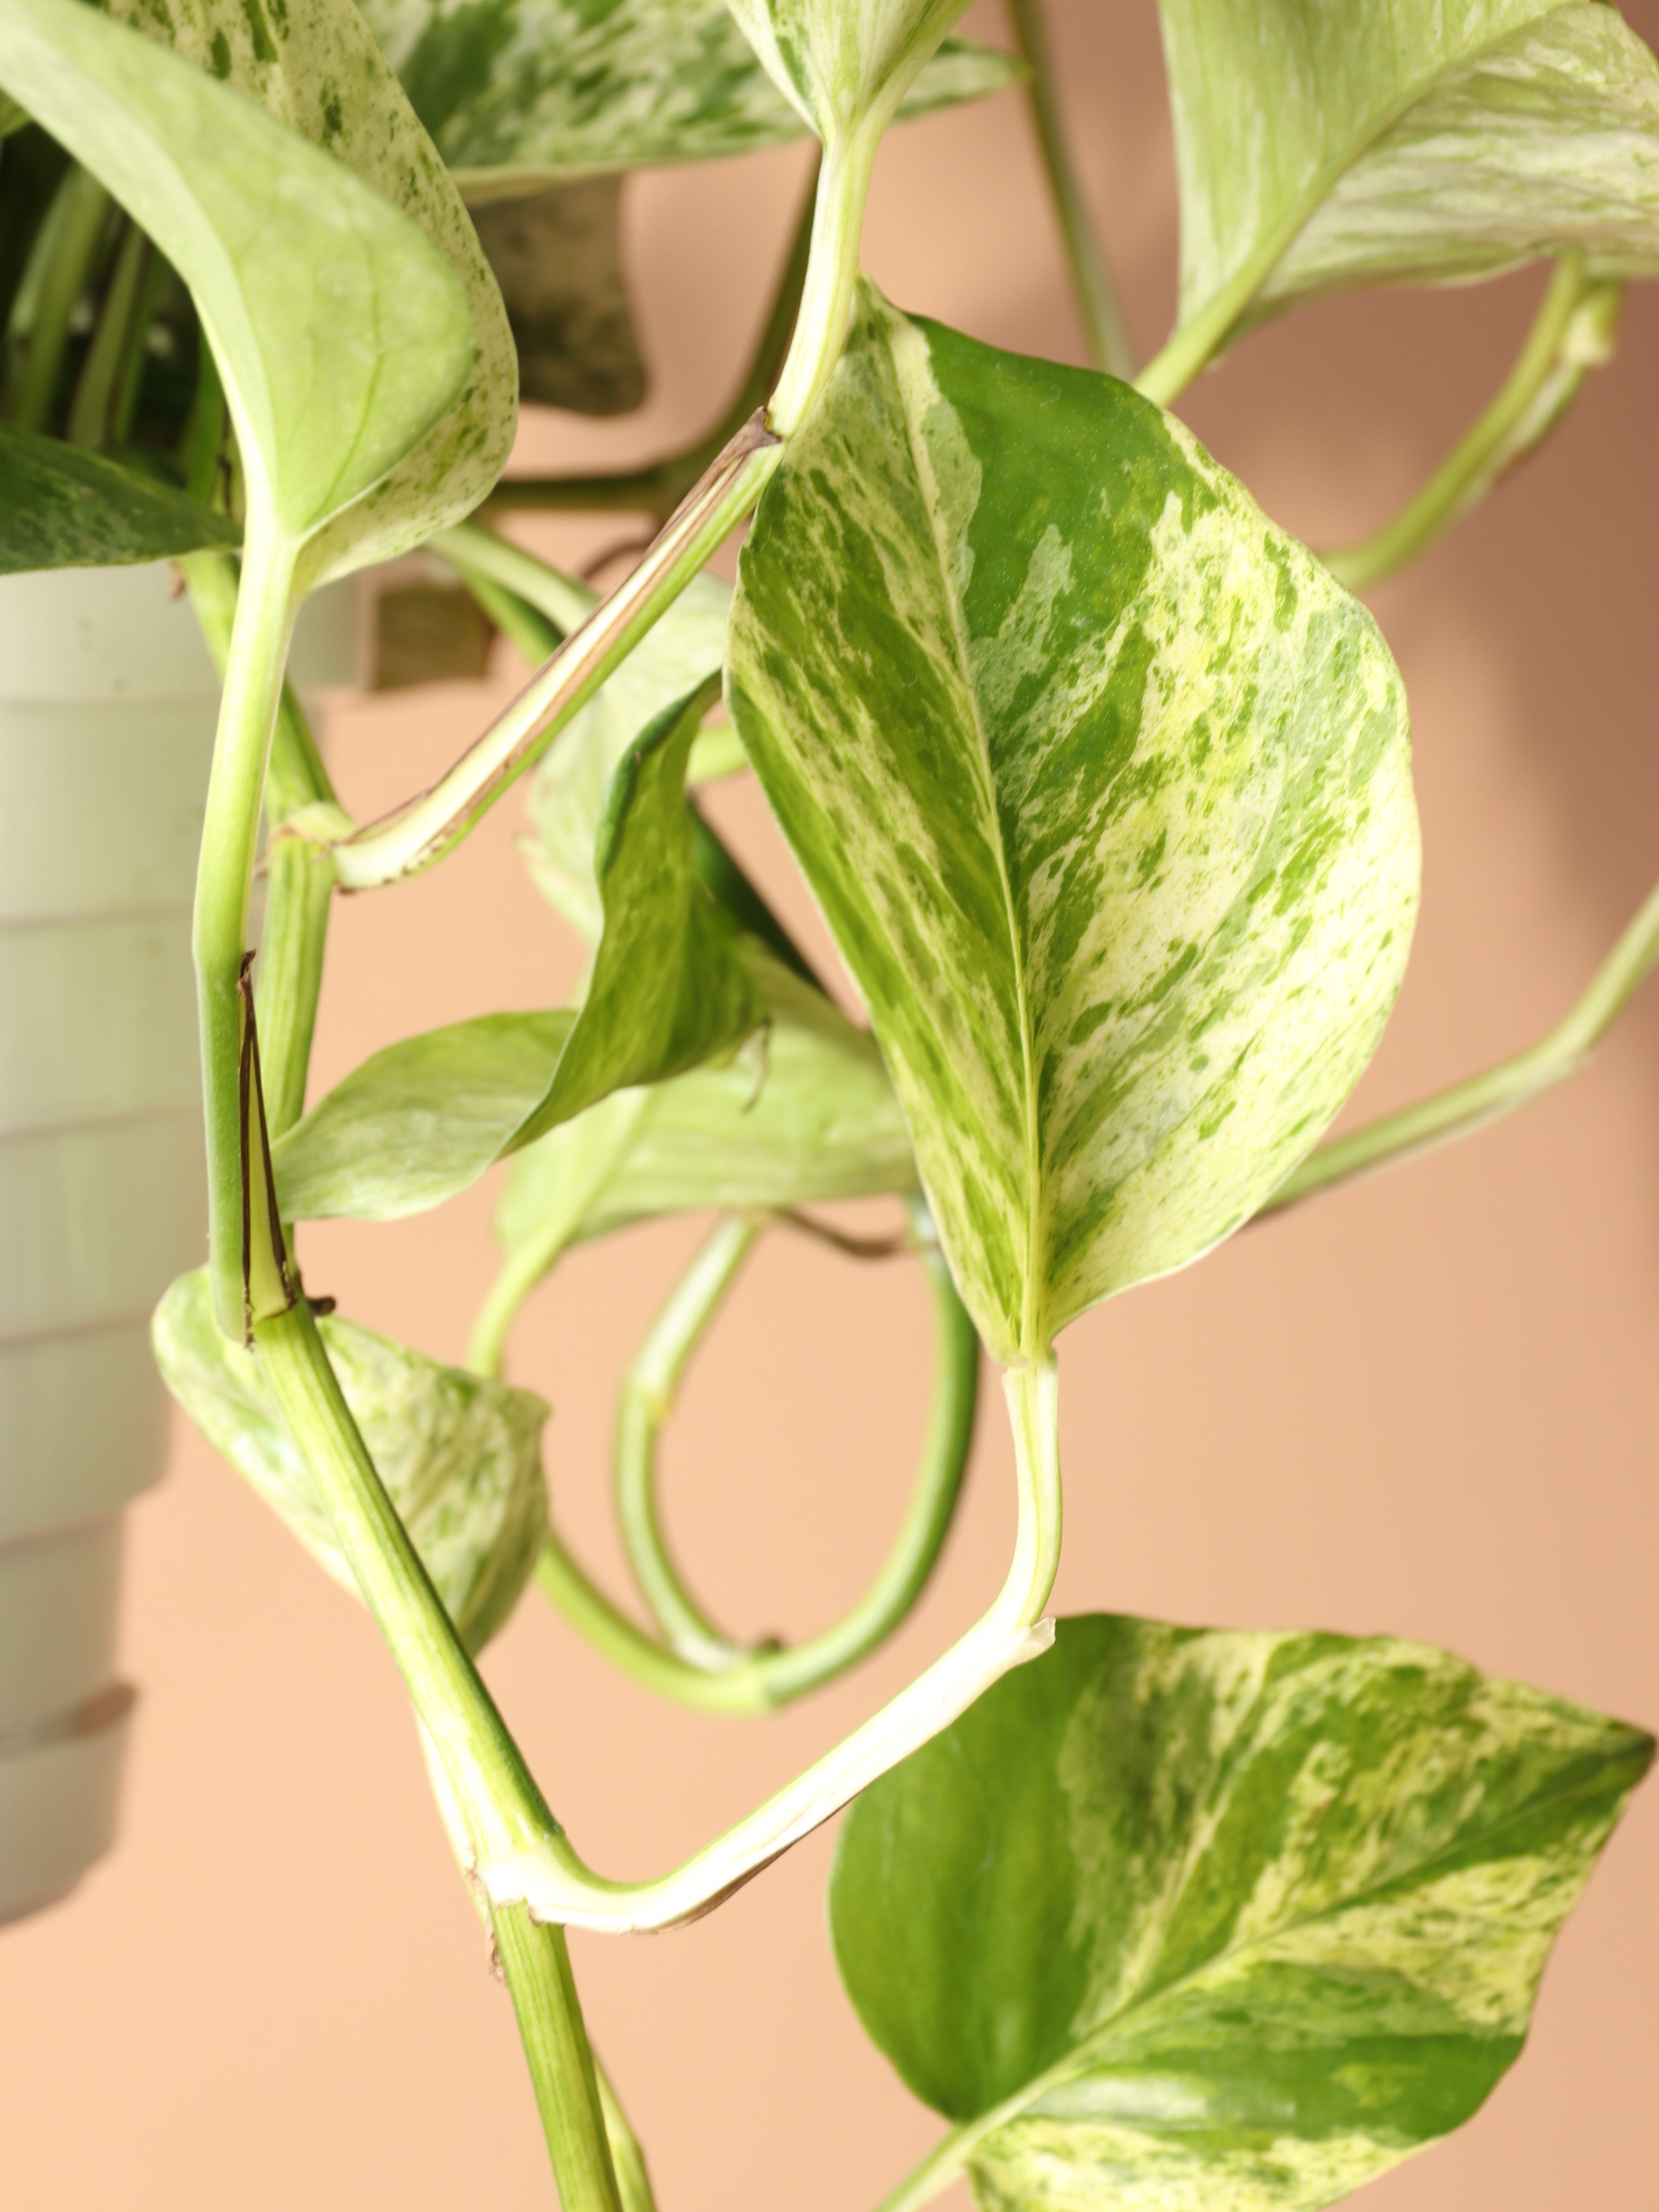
point(1103, 787)
point(824, 1124)
point(64, 508)
point(424, 1119)
point(670, 987)
point(314, 65)
point(372, 385)
point(460, 1457)
point(558, 257)
point(1202, 1919)
point(842, 66)
point(1323, 147)
point(520, 91)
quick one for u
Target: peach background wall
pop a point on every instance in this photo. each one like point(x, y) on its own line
point(1427, 1404)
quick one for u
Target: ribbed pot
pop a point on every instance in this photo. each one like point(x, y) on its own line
point(108, 701)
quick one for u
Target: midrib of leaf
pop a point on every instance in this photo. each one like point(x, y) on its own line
point(964, 2139)
point(1033, 1342)
point(1194, 343)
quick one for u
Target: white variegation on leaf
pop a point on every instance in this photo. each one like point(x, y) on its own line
point(1185, 1920)
point(519, 91)
point(1103, 785)
point(1320, 147)
point(342, 332)
point(844, 64)
point(460, 1457)
point(313, 65)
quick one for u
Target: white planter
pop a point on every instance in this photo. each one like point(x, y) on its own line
point(108, 701)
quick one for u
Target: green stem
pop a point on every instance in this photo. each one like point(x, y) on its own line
point(1573, 332)
point(253, 689)
point(1091, 278)
point(770, 1677)
point(53, 282)
point(120, 314)
point(657, 489)
point(558, 1886)
point(649, 1391)
point(536, 1962)
point(504, 1809)
point(1469, 1106)
point(300, 875)
point(432, 824)
point(610, 1133)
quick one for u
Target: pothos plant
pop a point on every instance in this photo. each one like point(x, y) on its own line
point(1102, 783)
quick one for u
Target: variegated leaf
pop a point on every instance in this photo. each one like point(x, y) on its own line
point(343, 334)
point(843, 62)
point(568, 791)
point(424, 1119)
point(62, 507)
point(521, 91)
point(823, 1123)
point(670, 986)
point(1103, 787)
point(460, 1457)
point(313, 65)
point(1320, 147)
point(1179, 1920)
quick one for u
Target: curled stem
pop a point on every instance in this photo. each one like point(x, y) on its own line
point(1470, 1105)
point(1573, 332)
point(1091, 277)
point(762, 1679)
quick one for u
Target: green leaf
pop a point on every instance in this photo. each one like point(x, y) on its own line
point(1322, 147)
point(842, 67)
point(460, 1457)
point(517, 91)
point(424, 1119)
point(823, 1124)
point(568, 792)
point(1102, 785)
point(1219, 1922)
point(557, 258)
point(420, 1121)
point(371, 383)
point(64, 508)
point(670, 987)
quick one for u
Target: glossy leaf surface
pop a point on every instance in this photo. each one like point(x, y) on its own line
point(342, 335)
point(839, 61)
point(460, 1457)
point(420, 1121)
point(824, 1123)
point(670, 987)
point(424, 1119)
point(1320, 147)
point(62, 507)
point(1103, 787)
point(557, 258)
point(313, 64)
point(568, 792)
point(1220, 1922)
point(518, 89)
